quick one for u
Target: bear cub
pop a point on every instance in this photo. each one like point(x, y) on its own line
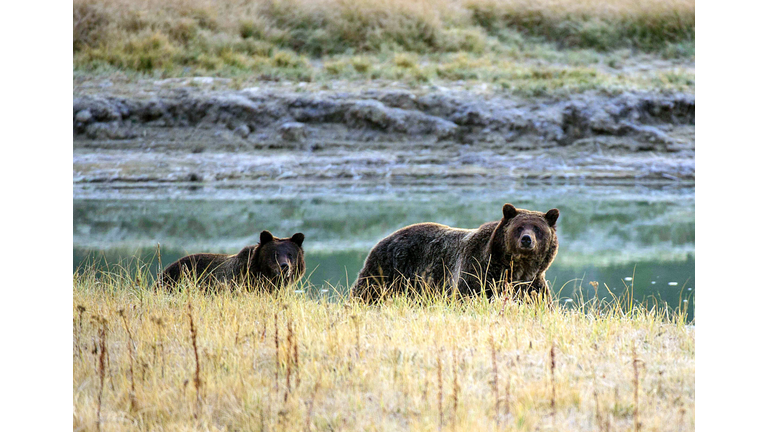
point(513, 252)
point(274, 262)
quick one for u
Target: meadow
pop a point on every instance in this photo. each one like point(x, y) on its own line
point(310, 359)
point(535, 46)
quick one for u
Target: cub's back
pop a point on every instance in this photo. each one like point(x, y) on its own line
point(197, 265)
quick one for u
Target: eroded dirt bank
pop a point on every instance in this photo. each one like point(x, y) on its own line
point(193, 134)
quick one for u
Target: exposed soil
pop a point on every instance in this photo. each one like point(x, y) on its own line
point(190, 130)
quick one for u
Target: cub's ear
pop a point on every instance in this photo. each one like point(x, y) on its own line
point(265, 237)
point(249, 252)
point(298, 238)
point(552, 216)
point(509, 211)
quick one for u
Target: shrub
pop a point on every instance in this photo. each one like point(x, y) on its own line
point(88, 23)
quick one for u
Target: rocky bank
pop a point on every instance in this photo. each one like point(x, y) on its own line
point(195, 134)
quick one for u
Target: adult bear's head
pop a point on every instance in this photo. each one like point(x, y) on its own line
point(525, 233)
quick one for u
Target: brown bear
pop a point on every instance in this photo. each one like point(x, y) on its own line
point(513, 252)
point(273, 262)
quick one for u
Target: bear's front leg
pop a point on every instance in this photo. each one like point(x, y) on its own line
point(540, 287)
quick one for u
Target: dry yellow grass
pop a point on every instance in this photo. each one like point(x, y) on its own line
point(230, 13)
point(291, 362)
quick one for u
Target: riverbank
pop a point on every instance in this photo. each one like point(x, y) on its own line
point(193, 130)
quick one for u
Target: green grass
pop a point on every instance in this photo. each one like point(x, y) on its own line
point(294, 360)
point(600, 25)
point(503, 75)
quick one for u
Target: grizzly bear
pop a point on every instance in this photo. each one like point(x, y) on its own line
point(514, 252)
point(273, 262)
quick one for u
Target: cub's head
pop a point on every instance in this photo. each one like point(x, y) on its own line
point(529, 233)
point(281, 260)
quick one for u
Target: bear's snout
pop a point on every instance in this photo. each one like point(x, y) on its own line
point(285, 268)
point(526, 241)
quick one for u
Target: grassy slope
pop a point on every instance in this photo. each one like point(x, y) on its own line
point(531, 47)
point(341, 365)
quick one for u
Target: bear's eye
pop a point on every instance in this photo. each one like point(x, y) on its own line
point(519, 230)
point(537, 230)
point(290, 256)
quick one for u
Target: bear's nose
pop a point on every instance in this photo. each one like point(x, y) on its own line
point(526, 241)
point(284, 267)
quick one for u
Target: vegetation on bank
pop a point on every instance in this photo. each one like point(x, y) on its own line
point(146, 360)
point(417, 41)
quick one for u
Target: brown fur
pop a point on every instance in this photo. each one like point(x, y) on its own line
point(467, 261)
point(273, 262)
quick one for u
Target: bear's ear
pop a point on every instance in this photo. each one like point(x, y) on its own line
point(509, 211)
point(552, 216)
point(265, 237)
point(298, 238)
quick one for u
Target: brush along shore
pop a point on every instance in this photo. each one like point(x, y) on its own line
point(147, 360)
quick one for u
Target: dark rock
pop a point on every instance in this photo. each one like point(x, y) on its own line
point(292, 132)
point(394, 98)
point(444, 130)
point(150, 110)
point(372, 113)
point(471, 115)
point(311, 110)
point(376, 115)
point(102, 109)
point(111, 130)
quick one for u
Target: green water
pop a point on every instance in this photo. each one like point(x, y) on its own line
point(638, 237)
